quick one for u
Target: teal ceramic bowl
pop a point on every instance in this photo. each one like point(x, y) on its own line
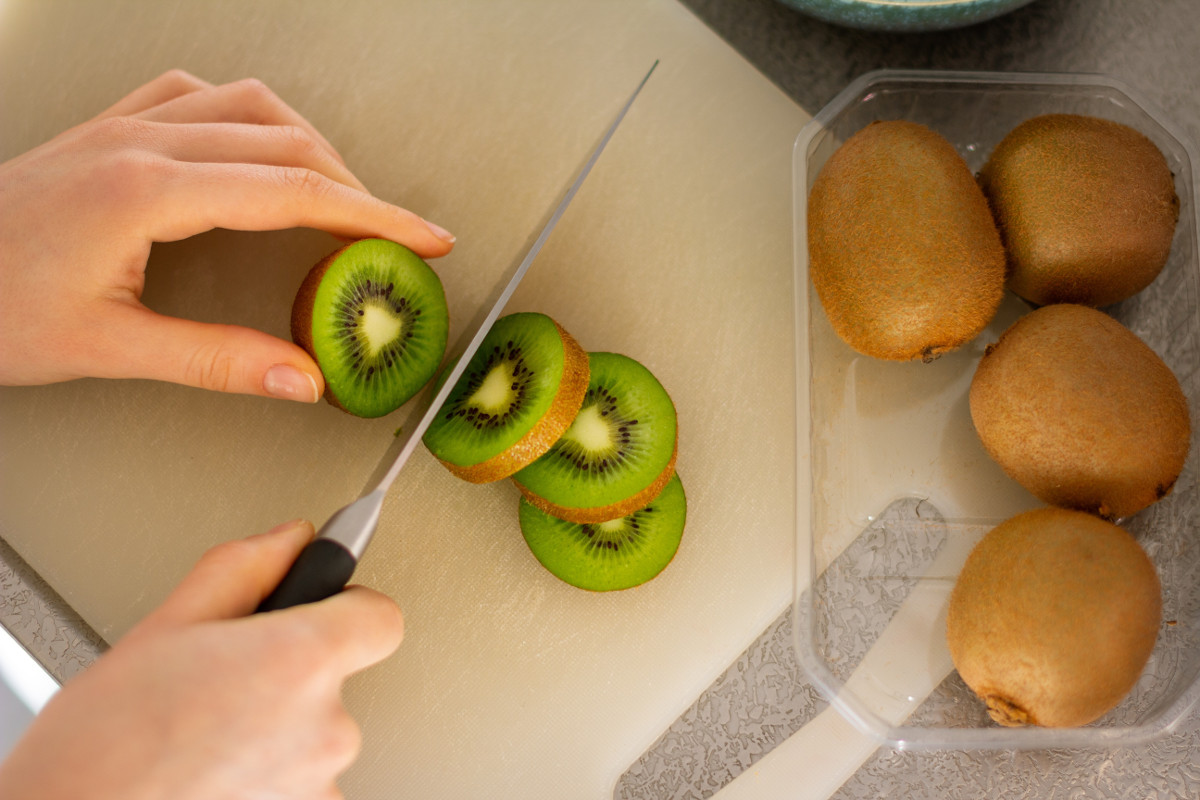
point(905, 15)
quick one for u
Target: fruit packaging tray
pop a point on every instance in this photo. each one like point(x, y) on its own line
point(894, 486)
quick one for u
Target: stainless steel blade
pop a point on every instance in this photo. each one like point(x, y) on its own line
point(353, 525)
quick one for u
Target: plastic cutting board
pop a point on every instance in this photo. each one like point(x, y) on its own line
point(475, 114)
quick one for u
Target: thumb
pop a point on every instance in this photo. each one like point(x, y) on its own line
point(223, 358)
point(231, 579)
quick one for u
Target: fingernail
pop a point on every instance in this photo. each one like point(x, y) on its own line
point(441, 233)
point(289, 383)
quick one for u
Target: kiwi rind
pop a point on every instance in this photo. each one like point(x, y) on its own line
point(394, 285)
point(1053, 618)
point(630, 415)
point(613, 555)
point(1087, 209)
point(903, 251)
point(1081, 412)
point(551, 370)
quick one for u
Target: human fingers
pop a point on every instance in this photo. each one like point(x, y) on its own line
point(357, 627)
point(166, 87)
point(258, 197)
point(249, 101)
point(231, 579)
point(140, 343)
point(236, 142)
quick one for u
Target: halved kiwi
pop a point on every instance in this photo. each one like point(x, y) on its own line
point(373, 315)
point(516, 397)
point(605, 556)
point(618, 453)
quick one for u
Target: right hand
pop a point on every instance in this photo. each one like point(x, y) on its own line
point(204, 699)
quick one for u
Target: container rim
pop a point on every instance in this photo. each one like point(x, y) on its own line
point(906, 737)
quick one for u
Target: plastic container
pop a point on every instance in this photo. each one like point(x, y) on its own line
point(895, 487)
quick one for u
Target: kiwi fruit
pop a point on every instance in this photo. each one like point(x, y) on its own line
point(903, 251)
point(373, 316)
point(616, 554)
point(1053, 618)
point(1081, 412)
point(519, 393)
point(618, 453)
point(1086, 208)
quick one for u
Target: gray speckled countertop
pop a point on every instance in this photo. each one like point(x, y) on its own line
point(761, 699)
point(1150, 44)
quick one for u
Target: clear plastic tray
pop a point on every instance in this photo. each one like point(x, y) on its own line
point(899, 487)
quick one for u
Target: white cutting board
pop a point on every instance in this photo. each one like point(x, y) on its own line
point(476, 114)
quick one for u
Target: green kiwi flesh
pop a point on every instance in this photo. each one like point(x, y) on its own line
point(611, 555)
point(373, 316)
point(517, 396)
point(618, 453)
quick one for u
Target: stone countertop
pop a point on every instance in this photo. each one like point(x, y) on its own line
point(763, 697)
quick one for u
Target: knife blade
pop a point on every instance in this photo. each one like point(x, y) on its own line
point(325, 565)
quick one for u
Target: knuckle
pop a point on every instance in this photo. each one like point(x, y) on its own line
point(210, 367)
point(120, 131)
point(180, 79)
point(127, 176)
point(307, 183)
point(342, 739)
point(255, 91)
point(299, 142)
point(228, 552)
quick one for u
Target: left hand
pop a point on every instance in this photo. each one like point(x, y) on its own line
point(174, 158)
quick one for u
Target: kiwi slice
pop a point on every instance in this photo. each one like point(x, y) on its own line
point(618, 453)
point(373, 315)
point(604, 556)
point(516, 397)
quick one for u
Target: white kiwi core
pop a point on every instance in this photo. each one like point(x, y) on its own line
point(380, 327)
point(590, 430)
point(612, 526)
point(494, 394)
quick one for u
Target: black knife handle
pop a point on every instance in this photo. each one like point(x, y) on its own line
point(322, 569)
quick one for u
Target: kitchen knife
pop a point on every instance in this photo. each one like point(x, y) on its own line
point(325, 565)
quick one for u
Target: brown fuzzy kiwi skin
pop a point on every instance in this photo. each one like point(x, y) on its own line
point(541, 437)
point(302, 314)
point(1082, 413)
point(1086, 207)
point(1053, 618)
point(903, 251)
point(616, 510)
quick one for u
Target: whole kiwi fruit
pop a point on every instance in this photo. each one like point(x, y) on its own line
point(1081, 412)
point(903, 252)
point(1086, 207)
point(1053, 617)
